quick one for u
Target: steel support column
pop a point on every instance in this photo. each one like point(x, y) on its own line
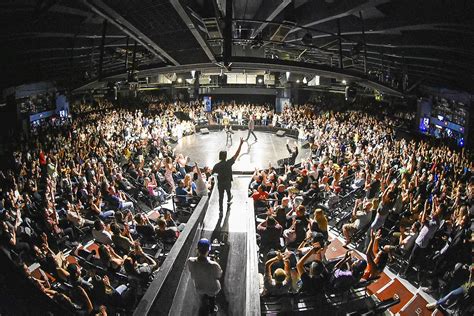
point(341, 65)
point(102, 47)
point(364, 41)
point(227, 52)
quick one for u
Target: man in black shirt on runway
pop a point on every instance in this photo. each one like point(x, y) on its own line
point(224, 175)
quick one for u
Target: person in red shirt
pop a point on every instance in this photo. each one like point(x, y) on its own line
point(42, 158)
point(260, 197)
point(260, 194)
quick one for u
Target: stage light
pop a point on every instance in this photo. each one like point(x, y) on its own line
point(193, 73)
point(180, 80)
point(298, 81)
point(288, 75)
point(260, 80)
point(344, 81)
point(305, 81)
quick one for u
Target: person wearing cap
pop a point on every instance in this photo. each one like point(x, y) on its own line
point(205, 274)
point(279, 282)
point(224, 175)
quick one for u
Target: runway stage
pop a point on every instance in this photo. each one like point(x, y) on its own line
point(269, 148)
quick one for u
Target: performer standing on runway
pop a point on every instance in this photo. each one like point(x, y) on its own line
point(251, 127)
point(292, 151)
point(224, 175)
point(228, 131)
point(205, 274)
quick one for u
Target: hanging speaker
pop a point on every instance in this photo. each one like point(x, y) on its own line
point(350, 94)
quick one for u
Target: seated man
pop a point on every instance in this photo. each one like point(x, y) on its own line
point(406, 240)
point(315, 280)
point(100, 233)
point(280, 282)
point(465, 288)
point(361, 215)
point(270, 232)
point(260, 197)
point(144, 227)
point(166, 234)
point(182, 194)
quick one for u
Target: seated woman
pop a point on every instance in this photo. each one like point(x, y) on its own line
point(319, 223)
point(104, 293)
point(154, 190)
point(347, 273)
point(116, 197)
point(94, 204)
point(110, 259)
point(376, 259)
point(75, 217)
point(123, 242)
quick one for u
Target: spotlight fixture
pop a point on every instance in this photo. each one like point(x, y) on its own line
point(260, 80)
point(193, 73)
point(288, 75)
point(344, 81)
point(297, 80)
point(305, 81)
point(180, 80)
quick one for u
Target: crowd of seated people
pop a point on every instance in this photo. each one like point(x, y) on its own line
point(396, 200)
point(72, 211)
point(410, 201)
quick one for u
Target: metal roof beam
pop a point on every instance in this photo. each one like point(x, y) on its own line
point(276, 8)
point(116, 19)
point(190, 24)
point(322, 16)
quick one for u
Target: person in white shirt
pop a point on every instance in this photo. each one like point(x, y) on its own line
point(205, 274)
point(201, 185)
point(100, 234)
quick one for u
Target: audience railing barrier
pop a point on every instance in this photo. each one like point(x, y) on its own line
point(158, 299)
point(252, 295)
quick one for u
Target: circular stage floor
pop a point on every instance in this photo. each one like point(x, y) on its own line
point(269, 148)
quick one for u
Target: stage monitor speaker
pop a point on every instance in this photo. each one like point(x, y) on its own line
point(204, 131)
point(280, 133)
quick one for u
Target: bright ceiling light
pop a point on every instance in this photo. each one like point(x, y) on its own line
point(344, 81)
point(180, 80)
point(193, 73)
point(288, 75)
point(298, 81)
point(305, 81)
point(260, 80)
